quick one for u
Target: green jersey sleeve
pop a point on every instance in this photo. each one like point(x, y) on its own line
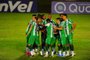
point(62, 23)
point(70, 21)
point(28, 27)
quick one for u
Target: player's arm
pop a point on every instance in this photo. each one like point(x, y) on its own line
point(62, 26)
point(73, 27)
point(47, 24)
point(58, 28)
point(41, 25)
point(30, 29)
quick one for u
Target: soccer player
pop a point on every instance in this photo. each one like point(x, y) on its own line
point(44, 19)
point(50, 17)
point(57, 36)
point(33, 37)
point(40, 25)
point(62, 36)
point(50, 36)
point(43, 34)
point(27, 30)
point(70, 26)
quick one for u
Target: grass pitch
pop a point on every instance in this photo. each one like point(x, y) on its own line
point(13, 39)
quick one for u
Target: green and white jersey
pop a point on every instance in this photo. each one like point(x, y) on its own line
point(62, 32)
point(49, 28)
point(44, 22)
point(68, 26)
point(52, 21)
point(58, 25)
point(28, 27)
point(34, 31)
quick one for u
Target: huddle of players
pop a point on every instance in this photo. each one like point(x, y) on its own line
point(50, 32)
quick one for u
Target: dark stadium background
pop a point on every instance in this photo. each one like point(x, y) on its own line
point(45, 5)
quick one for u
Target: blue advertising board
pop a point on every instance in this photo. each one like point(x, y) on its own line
point(18, 5)
point(70, 7)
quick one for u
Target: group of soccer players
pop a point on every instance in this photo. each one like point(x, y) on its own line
point(49, 37)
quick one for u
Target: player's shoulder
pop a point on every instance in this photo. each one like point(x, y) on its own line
point(33, 23)
point(30, 21)
point(70, 21)
point(48, 24)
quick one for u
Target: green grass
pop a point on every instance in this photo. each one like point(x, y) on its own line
point(13, 40)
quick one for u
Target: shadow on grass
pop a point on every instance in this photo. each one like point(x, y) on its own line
point(24, 57)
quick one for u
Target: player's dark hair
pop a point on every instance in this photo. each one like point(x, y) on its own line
point(43, 15)
point(36, 18)
point(34, 15)
point(48, 20)
point(60, 19)
point(39, 16)
point(63, 14)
